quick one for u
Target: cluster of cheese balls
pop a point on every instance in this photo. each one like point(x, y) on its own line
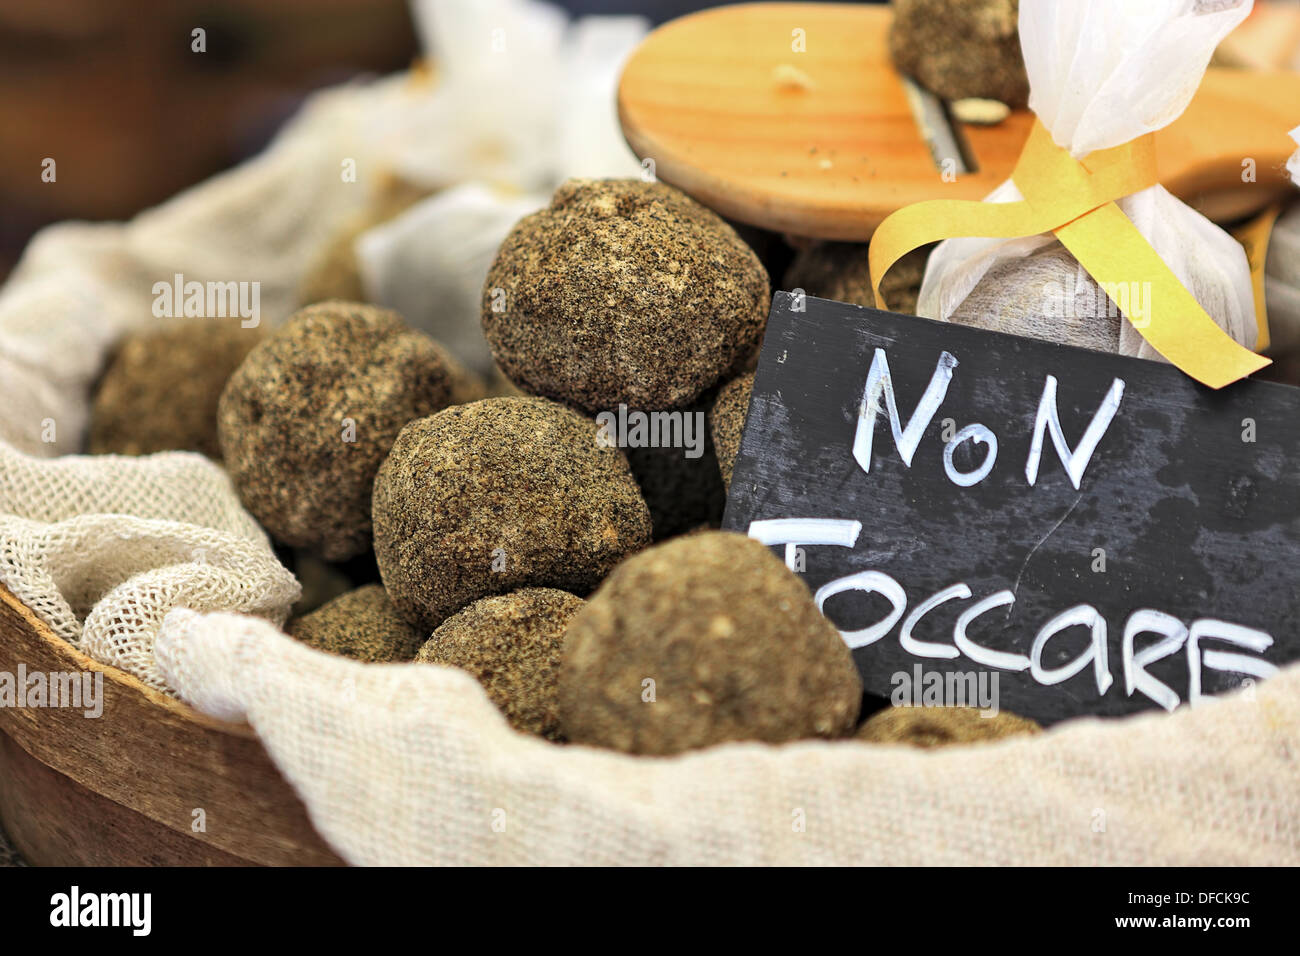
point(585, 585)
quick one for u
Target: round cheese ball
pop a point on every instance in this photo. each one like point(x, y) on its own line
point(497, 495)
point(311, 412)
point(623, 291)
point(961, 48)
point(511, 643)
point(679, 478)
point(941, 726)
point(839, 271)
point(360, 624)
point(727, 422)
point(704, 639)
point(160, 390)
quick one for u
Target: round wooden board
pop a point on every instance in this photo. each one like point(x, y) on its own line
point(712, 99)
point(122, 789)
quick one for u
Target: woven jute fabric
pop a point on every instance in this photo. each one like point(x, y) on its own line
point(410, 764)
point(101, 548)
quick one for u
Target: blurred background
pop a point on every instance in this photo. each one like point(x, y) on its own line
point(113, 89)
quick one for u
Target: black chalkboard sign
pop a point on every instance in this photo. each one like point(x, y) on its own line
point(1089, 534)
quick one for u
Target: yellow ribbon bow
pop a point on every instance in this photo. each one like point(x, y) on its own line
point(1076, 201)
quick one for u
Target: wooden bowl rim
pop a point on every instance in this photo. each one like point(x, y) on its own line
point(85, 662)
point(124, 788)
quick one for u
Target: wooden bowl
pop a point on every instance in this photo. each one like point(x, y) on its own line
point(122, 789)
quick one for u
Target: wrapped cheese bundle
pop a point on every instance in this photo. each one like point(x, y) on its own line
point(1282, 272)
point(1102, 74)
point(1282, 284)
